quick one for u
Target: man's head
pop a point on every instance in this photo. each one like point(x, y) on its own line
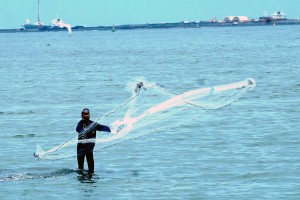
point(85, 114)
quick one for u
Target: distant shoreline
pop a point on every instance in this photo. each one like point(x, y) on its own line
point(165, 26)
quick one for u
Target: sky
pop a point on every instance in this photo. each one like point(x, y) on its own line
point(108, 12)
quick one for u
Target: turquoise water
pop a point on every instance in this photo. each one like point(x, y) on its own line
point(248, 150)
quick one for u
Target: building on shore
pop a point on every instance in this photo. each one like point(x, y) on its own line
point(241, 19)
point(228, 19)
point(236, 19)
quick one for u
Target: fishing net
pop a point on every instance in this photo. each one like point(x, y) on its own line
point(151, 108)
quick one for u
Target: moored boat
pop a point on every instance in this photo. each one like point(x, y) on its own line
point(55, 25)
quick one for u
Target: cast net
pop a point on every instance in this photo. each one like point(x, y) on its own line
point(151, 108)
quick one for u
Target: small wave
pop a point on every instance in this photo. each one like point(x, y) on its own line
point(16, 113)
point(23, 136)
point(20, 176)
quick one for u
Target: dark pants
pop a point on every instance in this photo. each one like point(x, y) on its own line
point(85, 150)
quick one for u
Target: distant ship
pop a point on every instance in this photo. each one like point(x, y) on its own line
point(34, 27)
point(55, 25)
point(273, 17)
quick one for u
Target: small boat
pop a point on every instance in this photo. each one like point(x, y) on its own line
point(113, 29)
point(34, 27)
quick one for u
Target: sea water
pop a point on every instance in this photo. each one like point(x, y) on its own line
point(248, 150)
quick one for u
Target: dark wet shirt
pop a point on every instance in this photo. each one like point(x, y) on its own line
point(87, 129)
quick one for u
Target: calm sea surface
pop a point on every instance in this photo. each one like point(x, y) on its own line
point(248, 150)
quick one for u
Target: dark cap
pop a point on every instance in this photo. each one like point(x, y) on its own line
point(85, 110)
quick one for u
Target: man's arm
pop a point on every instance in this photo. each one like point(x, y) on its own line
point(104, 128)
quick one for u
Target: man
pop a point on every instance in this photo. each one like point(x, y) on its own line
point(87, 130)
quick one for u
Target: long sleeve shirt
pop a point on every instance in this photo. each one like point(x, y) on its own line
point(87, 129)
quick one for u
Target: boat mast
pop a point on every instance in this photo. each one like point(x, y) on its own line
point(39, 22)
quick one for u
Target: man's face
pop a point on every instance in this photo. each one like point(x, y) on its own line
point(85, 115)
